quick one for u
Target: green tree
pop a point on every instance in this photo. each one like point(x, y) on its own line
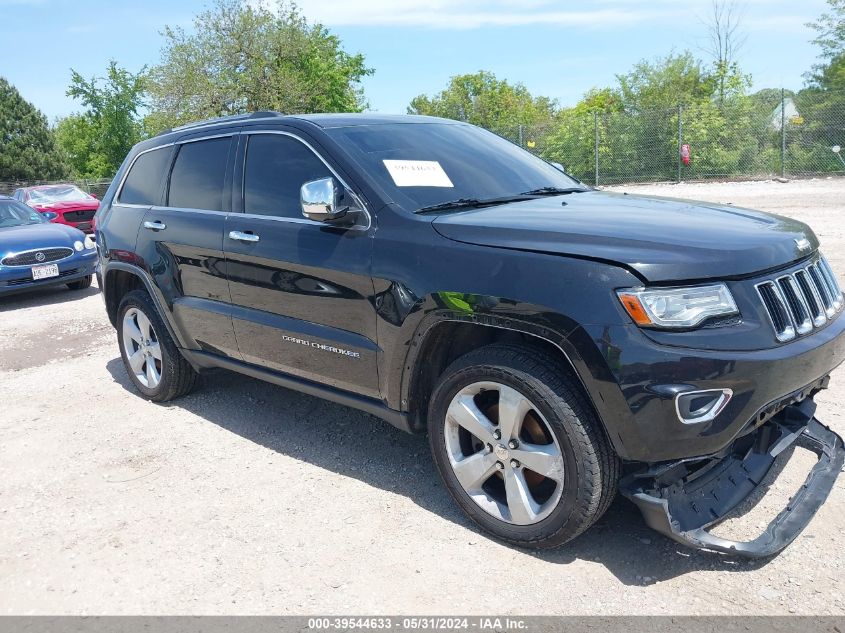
point(829, 73)
point(637, 123)
point(97, 140)
point(822, 103)
point(677, 79)
point(27, 148)
point(244, 56)
point(830, 30)
point(571, 141)
point(482, 99)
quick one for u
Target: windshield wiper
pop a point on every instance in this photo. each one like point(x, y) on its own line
point(473, 203)
point(553, 191)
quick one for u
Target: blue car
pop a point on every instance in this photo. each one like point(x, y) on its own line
point(34, 252)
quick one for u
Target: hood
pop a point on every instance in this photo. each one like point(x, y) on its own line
point(662, 239)
point(65, 205)
point(15, 239)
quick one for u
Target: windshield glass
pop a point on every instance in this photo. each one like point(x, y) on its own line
point(424, 164)
point(59, 193)
point(13, 213)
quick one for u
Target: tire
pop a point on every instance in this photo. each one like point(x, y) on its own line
point(555, 430)
point(175, 376)
point(81, 284)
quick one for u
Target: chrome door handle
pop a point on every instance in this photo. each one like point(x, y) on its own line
point(240, 236)
point(155, 226)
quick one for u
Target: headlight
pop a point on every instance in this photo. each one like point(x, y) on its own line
point(90, 242)
point(50, 215)
point(677, 307)
point(78, 245)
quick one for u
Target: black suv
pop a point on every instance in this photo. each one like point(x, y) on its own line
point(557, 343)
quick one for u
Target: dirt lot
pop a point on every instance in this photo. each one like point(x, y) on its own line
point(248, 498)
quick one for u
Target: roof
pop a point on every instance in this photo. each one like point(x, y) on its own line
point(328, 120)
point(345, 119)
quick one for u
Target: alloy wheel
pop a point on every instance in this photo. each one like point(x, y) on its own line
point(142, 348)
point(503, 453)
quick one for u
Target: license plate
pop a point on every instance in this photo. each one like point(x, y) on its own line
point(45, 272)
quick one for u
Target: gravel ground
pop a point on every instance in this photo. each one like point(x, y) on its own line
point(248, 498)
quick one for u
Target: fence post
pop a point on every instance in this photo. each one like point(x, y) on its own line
point(596, 130)
point(521, 144)
point(680, 137)
point(782, 133)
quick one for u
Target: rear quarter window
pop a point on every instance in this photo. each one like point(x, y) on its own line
point(143, 182)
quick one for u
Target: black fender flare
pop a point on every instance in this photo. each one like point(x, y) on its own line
point(560, 341)
point(159, 300)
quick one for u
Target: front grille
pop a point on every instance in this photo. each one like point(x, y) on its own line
point(37, 256)
point(802, 300)
point(79, 216)
point(28, 280)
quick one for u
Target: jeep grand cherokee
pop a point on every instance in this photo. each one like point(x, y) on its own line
point(557, 343)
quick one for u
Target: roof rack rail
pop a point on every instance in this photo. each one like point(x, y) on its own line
point(263, 114)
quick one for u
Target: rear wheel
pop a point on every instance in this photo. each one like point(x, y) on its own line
point(518, 446)
point(150, 356)
point(81, 284)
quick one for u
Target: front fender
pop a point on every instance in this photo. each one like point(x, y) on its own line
point(407, 348)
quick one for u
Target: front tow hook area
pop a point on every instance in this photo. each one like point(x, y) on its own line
point(684, 499)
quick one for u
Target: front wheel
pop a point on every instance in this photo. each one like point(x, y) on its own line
point(150, 356)
point(518, 446)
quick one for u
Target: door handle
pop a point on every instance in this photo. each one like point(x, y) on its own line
point(155, 226)
point(240, 236)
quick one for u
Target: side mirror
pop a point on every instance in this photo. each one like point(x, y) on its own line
point(559, 167)
point(320, 200)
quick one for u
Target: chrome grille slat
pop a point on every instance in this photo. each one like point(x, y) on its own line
point(797, 306)
point(778, 310)
point(824, 291)
point(798, 302)
point(811, 296)
point(832, 282)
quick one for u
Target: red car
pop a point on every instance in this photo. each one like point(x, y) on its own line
point(62, 204)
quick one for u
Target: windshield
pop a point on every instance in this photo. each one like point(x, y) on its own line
point(13, 213)
point(420, 165)
point(59, 193)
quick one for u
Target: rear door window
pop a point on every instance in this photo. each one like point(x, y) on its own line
point(198, 178)
point(143, 183)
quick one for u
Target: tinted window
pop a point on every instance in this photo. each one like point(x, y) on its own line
point(460, 161)
point(276, 167)
point(143, 184)
point(199, 175)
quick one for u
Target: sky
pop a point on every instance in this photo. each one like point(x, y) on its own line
point(556, 48)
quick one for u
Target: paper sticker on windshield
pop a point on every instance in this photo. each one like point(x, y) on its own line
point(417, 173)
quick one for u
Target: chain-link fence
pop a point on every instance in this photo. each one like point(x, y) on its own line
point(752, 138)
point(789, 136)
point(96, 187)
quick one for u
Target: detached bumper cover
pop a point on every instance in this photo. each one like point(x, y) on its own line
point(682, 503)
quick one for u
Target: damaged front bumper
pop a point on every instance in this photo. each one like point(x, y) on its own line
point(683, 499)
